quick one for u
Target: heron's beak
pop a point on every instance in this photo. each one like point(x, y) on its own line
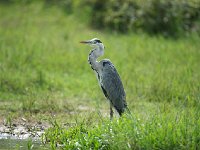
point(85, 42)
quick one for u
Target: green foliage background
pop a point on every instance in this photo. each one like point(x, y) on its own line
point(166, 17)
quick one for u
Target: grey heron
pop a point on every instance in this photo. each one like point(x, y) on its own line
point(108, 77)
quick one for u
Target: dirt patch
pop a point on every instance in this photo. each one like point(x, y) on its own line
point(22, 129)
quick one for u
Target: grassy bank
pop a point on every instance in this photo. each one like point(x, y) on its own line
point(44, 73)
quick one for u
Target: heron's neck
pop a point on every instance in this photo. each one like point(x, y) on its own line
point(94, 54)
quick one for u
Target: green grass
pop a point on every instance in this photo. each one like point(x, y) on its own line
point(157, 132)
point(44, 71)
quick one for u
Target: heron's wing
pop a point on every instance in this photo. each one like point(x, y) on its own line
point(112, 86)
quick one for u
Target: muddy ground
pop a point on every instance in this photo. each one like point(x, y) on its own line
point(22, 128)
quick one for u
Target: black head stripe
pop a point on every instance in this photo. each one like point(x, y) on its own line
point(98, 41)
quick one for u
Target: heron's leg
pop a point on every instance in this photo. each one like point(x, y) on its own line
point(111, 112)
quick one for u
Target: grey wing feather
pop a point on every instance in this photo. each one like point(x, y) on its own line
point(112, 86)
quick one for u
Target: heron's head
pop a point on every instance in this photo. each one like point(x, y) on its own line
point(96, 43)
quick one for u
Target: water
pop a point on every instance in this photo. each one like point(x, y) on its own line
point(9, 142)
